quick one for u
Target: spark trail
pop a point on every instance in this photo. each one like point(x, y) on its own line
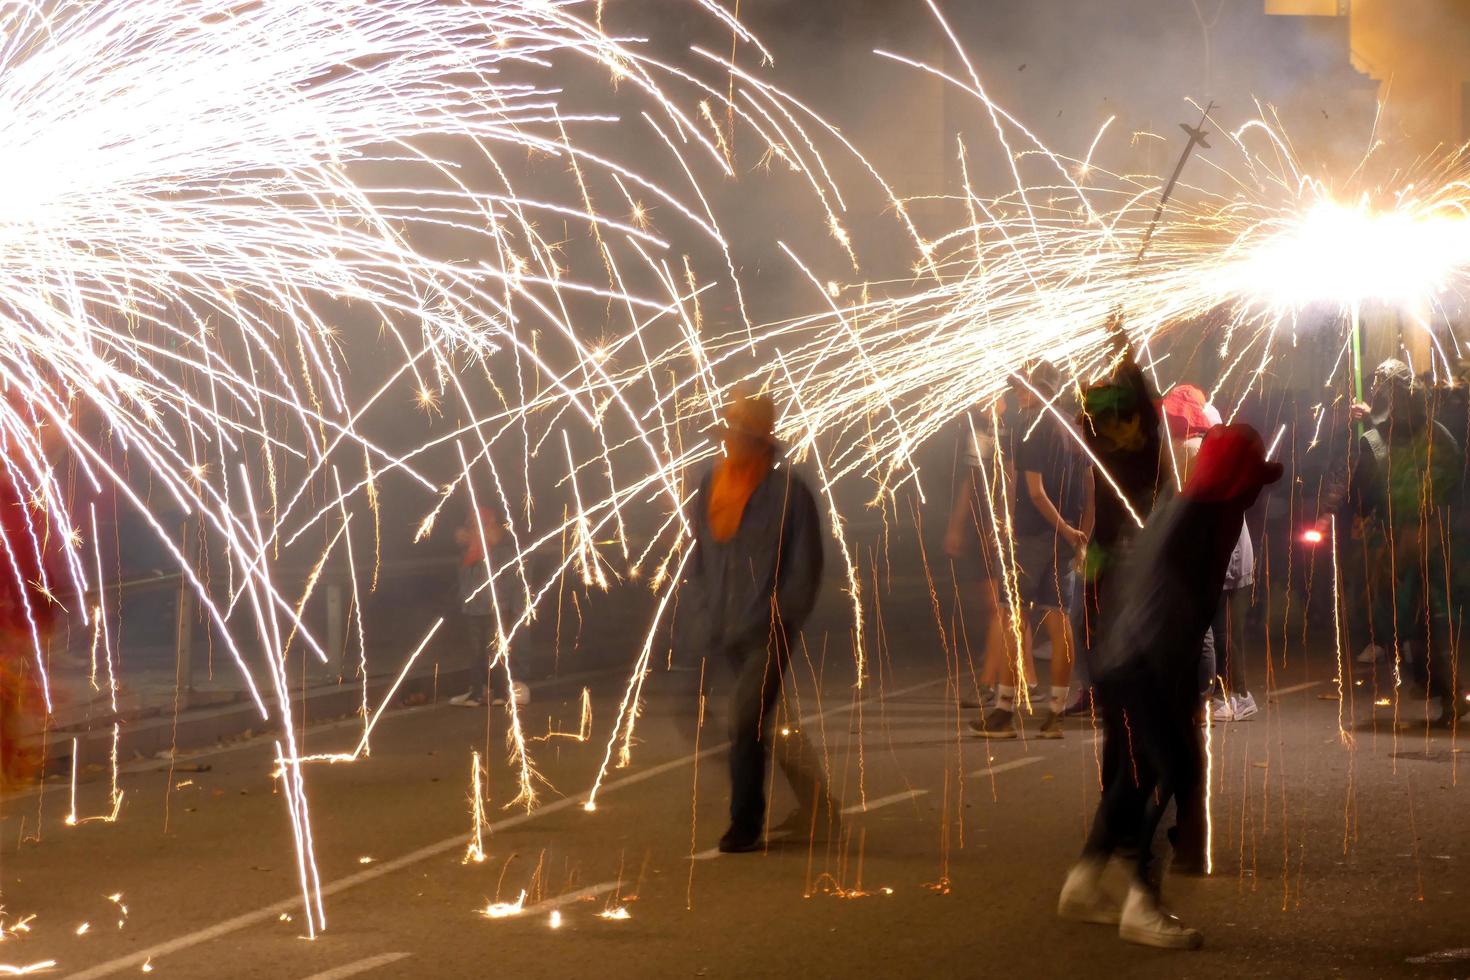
point(227, 218)
point(251, 235)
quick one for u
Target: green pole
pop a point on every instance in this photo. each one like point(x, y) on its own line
point(1357, 340)
point(1357, 329)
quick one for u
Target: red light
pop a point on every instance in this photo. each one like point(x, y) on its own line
point(1312, 536)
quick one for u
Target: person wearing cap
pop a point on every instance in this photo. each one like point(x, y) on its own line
point(1188, 415)
point(1396, 491)
point(1050, 525)
point(1164, 596)
point(751, 580)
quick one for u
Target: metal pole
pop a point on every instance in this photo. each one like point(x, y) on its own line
point(184, 624)
point(1197, 136)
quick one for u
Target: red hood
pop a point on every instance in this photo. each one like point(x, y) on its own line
point(1231, 464)
point(1183, 409)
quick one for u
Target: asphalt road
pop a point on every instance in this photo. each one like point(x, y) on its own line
point(1335, 854)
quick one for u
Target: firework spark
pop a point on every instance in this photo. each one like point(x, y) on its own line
point(223, 202)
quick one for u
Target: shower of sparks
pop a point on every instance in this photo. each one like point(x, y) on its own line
point(504, 910)
point(584, 723)
point(277, 199)
point(231, 213)
point(476, 850)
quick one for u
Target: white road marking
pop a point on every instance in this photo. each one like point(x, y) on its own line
point(376, 871)
point(714, 852)
point(1005, 766)
point(883, 801)
point(556, 902)
point(359, 966)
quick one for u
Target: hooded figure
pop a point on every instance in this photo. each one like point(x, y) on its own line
point(1146, 671)
point(1121, 427)
point(1396, 490)
point(751, 581)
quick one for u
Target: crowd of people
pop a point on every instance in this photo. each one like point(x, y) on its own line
point(1111, 521)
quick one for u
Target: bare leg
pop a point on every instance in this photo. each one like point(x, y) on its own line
point(1059, 631)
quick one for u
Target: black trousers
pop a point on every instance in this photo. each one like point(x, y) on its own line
point(1151, 754)
point(760, 672)
point(481, 646)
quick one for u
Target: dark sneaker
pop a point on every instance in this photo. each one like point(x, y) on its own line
point(1452, 709)
point(735, 842)
point(1051, 725)
point(997, 723)
point(1081, 704)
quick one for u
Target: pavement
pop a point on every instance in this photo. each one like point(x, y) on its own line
point(1338, 843)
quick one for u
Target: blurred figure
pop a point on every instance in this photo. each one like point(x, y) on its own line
point(1399, 484)
point(1223, 677)
point(480, 531)
point(1360, 541)
point(752, 580)
point(1164, 597)
point(1050, 526)
point(983, 491)
point(29, 611)
point(1120, 424)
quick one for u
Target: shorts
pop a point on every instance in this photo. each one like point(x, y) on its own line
point(1043, 572)
point(980, 562)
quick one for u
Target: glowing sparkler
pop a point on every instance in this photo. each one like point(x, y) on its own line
point(217, 206)
point(476, 850)
point(213, 193)
point(504, 910)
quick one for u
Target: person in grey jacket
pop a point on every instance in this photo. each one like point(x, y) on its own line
point(751, 581)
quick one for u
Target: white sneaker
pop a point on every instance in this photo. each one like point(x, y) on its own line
point(1083, 898)
point(1145, 923)
point(1372, 653)
point(1244, 707)
point(469, 699)
point(1222, 709)
point(521, 693)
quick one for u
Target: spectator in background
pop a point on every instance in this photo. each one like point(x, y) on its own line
point(1399, 484)
point(983, 492)
point(1189, 415)
point(1050, 526)
point(478, 537)
point(29, 609)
